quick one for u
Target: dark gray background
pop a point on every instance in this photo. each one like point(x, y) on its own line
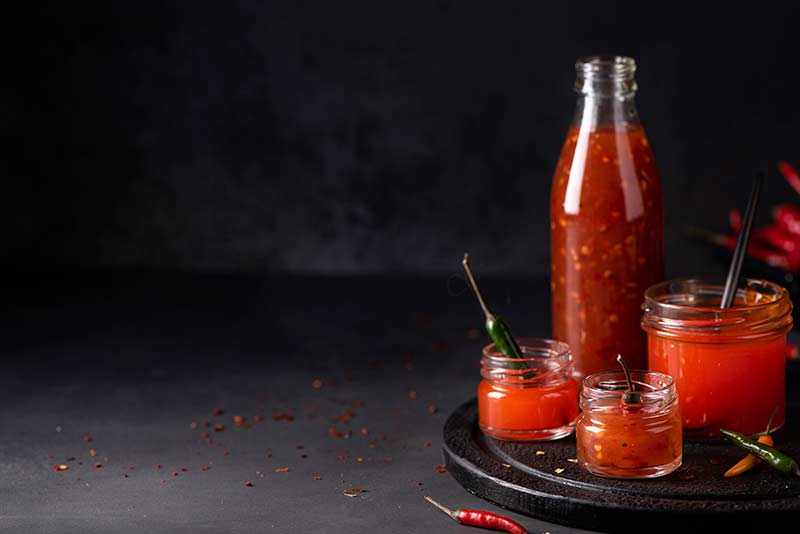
point(365, 137)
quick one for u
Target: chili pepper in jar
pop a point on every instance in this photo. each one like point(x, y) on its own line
point(481, 518)
point(751, 460)
point(496, 327)
point(772, 456)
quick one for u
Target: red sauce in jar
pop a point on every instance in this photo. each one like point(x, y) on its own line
point(606, 223)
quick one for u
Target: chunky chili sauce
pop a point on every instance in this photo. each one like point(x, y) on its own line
point(606, 222)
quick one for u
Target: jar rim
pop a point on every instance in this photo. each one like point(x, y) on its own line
point(539, 348)
point(717, 282)
point(591, 382)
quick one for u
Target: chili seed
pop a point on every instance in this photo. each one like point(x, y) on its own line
point(61, 467)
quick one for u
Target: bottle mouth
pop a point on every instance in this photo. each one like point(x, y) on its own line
point(606, 76)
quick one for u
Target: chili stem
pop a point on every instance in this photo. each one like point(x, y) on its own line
point(442, 507)
point(472, 283)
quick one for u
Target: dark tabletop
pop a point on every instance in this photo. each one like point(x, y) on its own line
point(342, 384)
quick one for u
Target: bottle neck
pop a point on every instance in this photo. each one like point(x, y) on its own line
point(606, 89)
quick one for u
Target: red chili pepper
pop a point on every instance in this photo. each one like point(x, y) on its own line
point(791, 175)
point(787, 217)
point(735, 220)
point(777, 237)
point(481, 518)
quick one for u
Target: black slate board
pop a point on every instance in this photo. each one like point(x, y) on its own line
point(694, 498)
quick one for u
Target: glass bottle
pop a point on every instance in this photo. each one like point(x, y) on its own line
point(606, 221)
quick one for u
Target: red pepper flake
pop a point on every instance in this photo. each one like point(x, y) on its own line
point(204, 468)
point(88, 439)
point(359, 459)
point(426, 444)
point(193, 425)
point(240, 421)
point(184, 469)
point(440, 468)
point(163, 481)
point(364, 432)
point(283, 416)
point(686, 476)
point(258, 417)
point(412, 393)
point(432, 408)
point(206, 423)
point(98, 466)
point(61, 467)
point(282, 470)
point(174, 473)
point(159, 466)
point(248, 484)
point(92, 453)
point(316, 384)
point(217, 411)
point(349, 493)
point(269, 455)
point(341, 457)
point(373, 445)
point(338, 433)
point(219, 427)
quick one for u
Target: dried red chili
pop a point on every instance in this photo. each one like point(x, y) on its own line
point(217, 411)
point(61, 467)
point(481, 518)
point(282, 470)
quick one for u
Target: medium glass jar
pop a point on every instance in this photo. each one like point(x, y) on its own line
point(629, 437)
point(533, 398)
point(606, 221)
point(729, 364)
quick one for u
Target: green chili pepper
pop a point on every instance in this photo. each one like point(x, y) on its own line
point(496, 327)
point(770, 455)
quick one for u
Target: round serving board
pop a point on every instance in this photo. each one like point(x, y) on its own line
point(523, 477)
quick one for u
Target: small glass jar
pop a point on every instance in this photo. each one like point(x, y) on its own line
point(629, 436)
point(729, 364)
point(533, 398)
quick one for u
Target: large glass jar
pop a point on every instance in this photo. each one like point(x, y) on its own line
point(534, 398)
point(729, 365)
point(606, 221)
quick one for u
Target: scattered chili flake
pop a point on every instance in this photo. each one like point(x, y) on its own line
point(92, 453)
point(258, 417)
point(338, 433)
point(248, 484)
point(206, 423)
point(159, 466)
point(316, 384)
point(359, 459)
point(349, 493)
point(283, 416)
point(88, 439)
point(686, 476)
point(219, 427)
point(572, 460)
point(240, 421)
point(193, 425)
point(506, 465)
point(412, 393)
point(61, 467)
point(364, 432)
point(341, 457)
point(204, 468)
point(98, 465)
point(184, 469)
point(359, 490)
point(217, 411)
point(373, 445)
point(715, 461)
point(174, 473)
point(559, 470)
point(440, 468)
point(317, 477)
point(282, 470)
point(269, 455)
point(426, 444)
point(432, 409)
